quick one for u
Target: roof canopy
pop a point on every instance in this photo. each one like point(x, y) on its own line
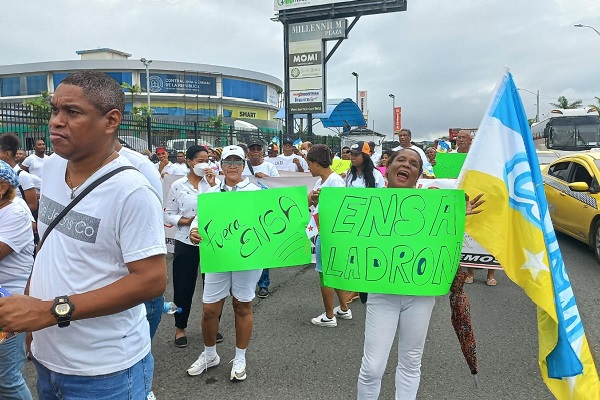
point(339, 113)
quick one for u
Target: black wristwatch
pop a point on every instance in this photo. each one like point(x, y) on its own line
point(62, 309)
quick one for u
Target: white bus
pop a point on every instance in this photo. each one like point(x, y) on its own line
point(572, 129)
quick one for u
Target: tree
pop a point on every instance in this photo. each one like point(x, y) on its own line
point(216, 122)
point(564, 103)
point(40, 106)
point(596, 105)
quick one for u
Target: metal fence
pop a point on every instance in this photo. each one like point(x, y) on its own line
point(141, 133)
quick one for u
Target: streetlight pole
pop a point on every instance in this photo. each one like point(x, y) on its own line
point(537, 102)
point(356, 76)
point(587, 26)
point(147, 64)
point(393, 112)
point(148, 120)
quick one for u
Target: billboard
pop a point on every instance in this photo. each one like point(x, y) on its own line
point(305, 73)
point(397, 119)
point(291, 4)
point(182, 83)
point(331, 29)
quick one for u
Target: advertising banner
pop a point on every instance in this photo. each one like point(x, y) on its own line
point(181, 83)
point(262, 229)
point(362, 103)
point(393, 241)
point(291, 4)
point(331, 29)
point(272, 96)
point(306, 77)
point(397, 119)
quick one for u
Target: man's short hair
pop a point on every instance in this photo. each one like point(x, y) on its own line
point(100, 89)
point(9, 143)
point(407, 131)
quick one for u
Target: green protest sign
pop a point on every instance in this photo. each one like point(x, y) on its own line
point(253, 230)
point(395, 241)
point(448, 165)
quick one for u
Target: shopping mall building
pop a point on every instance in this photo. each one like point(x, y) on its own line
point(178, 90)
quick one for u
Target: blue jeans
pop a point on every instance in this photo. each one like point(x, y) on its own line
point(154, 309)
point(264, 280)
point(133, 383)
point(12, 358)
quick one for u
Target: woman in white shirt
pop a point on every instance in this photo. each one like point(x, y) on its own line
point(16, 261)
point(319, 159)
point(181, 210)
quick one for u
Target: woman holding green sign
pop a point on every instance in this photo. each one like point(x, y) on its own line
point(319, 159)
point(219, 285)
point(388, 313)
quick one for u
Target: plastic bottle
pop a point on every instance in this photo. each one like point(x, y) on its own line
point(4, 336)
point(170, 308)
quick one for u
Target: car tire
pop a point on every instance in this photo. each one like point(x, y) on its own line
point(595, 240)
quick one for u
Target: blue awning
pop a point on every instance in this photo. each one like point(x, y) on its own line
point(339, 113)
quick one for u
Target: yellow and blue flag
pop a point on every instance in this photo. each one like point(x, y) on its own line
point(515, 227)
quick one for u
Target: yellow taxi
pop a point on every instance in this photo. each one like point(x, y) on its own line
point(573, 193)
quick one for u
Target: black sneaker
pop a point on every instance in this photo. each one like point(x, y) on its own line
point(219, 337)
point(263, 292)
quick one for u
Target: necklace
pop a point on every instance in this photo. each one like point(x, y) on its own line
point(68, 177)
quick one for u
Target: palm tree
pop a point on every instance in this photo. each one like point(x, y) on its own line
point(597, 106)
point(133, 90)
point(564, 103)
point(216, 122)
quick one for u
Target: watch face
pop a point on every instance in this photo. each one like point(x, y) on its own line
point(62, 309)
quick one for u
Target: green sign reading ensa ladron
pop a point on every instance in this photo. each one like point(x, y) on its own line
point(253, 230)
point(395, 241)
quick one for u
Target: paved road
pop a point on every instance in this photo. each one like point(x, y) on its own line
point(289, 358)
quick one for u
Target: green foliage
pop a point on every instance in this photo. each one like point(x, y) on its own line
point(216, 122)
point(565, 105)
point(597, 105)
point(40, 106)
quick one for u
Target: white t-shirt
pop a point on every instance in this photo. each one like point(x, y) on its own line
point(16, 232)
point(180, 169)
point(168, 169)
point(183, 202)
point(119, 222)
point(286, 163)
point(266, 168)
point(145, 166)
point(333, 180)
point(35, 164)
point(360, 180)
point(25, 180)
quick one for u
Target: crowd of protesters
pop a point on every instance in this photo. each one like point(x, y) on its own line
point(92, 291)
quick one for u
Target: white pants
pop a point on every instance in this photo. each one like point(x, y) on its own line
point(387, 313)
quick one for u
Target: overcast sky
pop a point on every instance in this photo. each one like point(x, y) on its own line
point(441, 59)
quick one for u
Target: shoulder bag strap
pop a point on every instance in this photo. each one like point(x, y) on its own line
point(21, 187)
point(250, 167)
point(77, 199)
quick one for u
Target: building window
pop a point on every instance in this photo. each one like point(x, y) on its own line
point(120, 77)
point(36, 84)
point(10, 86)
point(244, 90)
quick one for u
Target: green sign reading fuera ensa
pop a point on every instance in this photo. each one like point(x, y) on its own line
point(253, 230)
point(395, 241)
point(448, 165)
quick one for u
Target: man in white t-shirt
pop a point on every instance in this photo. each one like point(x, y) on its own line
point(292, 162)
point(9, 144)
point(20, 156)
point(101, 262)
point(404, 137)
point(164, 166)
point(34, 164)
point(256, 164)
point(463, 141)
point(180, 167)
point(273, 156)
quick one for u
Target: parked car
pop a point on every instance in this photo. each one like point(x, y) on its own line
point(573, 193)
point(545, 157)
point(135, 143)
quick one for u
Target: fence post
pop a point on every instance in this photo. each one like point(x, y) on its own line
point(230, 135)
point(195, 132)
point(149, 131)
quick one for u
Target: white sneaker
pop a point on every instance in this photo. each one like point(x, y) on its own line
point(202, 364)
point(238, 371)
point(342, 314)
point(322, 320)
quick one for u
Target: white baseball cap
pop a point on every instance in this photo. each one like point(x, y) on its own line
point(233, 151)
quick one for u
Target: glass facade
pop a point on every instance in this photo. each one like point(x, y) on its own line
point(244, 90)
point(117, 76)
point(23, 85)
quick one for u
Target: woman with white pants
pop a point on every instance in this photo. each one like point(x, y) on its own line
point(388, 313)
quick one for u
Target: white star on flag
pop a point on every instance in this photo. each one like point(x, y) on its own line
point(535, 263)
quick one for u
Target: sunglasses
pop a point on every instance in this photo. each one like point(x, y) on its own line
point(347, 152)
point(235, 163)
